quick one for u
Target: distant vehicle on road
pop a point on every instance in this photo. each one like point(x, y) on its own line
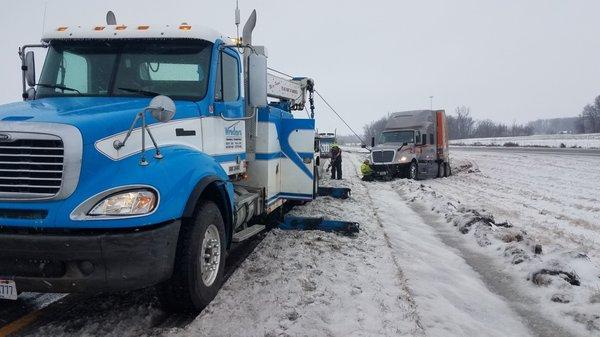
point(414, 144)
point(325, 141)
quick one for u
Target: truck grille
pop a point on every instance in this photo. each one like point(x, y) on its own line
point(31, 167)
point(383, 156)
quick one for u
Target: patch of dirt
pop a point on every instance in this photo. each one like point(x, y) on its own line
point(568, 277)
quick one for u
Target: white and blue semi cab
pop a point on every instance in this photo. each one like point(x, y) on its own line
point(140, 154)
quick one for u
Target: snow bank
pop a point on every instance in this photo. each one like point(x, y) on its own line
point(540, 226)
point(452, 298)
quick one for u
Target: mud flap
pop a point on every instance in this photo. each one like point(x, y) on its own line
point(334, 192)
point(306, 223)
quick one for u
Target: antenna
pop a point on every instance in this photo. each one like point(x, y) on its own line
point(44, 19)
point(237, 19)
point(111, 20)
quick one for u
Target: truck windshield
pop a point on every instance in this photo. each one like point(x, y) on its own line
point(177, 68)
point(398, 137)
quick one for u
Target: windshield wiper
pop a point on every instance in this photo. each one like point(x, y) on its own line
point(140, 91)
point(58, 86)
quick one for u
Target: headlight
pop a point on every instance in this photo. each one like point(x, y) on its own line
point(402, 159)
point(133, 202)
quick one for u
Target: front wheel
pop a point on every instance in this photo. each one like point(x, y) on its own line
point(199, 263)
point(413, 171)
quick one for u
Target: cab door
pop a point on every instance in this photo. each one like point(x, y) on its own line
point(224, 131)
point(229, 102)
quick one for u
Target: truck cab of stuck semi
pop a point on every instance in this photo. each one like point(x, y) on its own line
point(134, 161)
point(413, 144)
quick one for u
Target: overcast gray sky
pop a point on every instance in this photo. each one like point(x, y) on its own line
point(506, 59)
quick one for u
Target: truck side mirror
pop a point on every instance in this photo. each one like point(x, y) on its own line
point(162, 108)
point(29, 64)
point(257, 81)
point(372, 141)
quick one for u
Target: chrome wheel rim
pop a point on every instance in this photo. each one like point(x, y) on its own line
point(210, 255)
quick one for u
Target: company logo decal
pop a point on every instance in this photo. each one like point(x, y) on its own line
point(233, 137)
point(232, 130)
point(5, 137)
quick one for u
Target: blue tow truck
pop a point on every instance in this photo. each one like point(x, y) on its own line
point(140, 155)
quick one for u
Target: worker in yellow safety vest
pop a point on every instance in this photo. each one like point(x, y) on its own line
point(366, 171)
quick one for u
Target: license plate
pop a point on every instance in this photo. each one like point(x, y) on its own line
point(8, 290)
point(382, 173)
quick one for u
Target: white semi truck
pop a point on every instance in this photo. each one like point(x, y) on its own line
point(414, 144)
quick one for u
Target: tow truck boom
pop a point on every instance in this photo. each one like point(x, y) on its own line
point(293, 90)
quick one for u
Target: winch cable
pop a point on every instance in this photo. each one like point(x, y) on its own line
point(326, 103)
point(279, 72)
point(340, 117)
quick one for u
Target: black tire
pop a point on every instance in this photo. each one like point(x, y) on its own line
point(186, 291)
point(441, 170)
point(413, 171)
point(447, 170)
point(315, 182)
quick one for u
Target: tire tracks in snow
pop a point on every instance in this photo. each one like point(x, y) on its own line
point(451, 297)
point(496, 281)
point(401, 277)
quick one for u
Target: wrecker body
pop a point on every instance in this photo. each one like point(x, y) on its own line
point(140, 155)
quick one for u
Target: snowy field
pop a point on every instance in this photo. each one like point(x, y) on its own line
point(495, 250)
point(586, 141)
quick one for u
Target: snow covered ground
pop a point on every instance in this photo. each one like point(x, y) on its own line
point(411, 271)
point(442, 257)
point(544, 200)
point(586, 141)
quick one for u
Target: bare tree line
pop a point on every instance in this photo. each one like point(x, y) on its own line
point(589, 119)
point(461, 125)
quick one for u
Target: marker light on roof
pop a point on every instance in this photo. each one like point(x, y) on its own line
point(121, 27)
point(99, 28)
point(62, 29)
point(185, 27)
point(143, 27)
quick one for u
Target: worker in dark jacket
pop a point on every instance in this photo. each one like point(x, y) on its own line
point(336, 162)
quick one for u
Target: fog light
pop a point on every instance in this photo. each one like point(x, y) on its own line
point(86, 267)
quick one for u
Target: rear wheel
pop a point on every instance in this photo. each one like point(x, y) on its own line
point(413, 171)
point(447, 170)
point(441, 170)
point(315, 182)
point(199, 263)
